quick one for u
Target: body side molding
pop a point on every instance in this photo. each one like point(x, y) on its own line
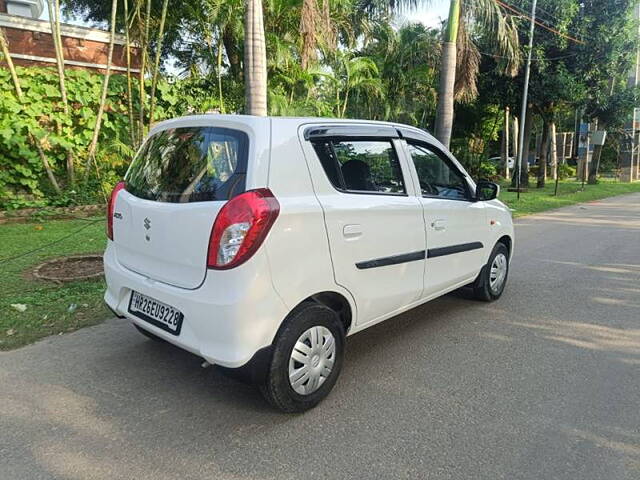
point(393, 260)
point(463, 247)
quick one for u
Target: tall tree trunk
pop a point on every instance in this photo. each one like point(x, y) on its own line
point(544, 151)
point(504, 151)
point(346, 101)
point(54, 20)
point(233, 54)
point(143, 65)
point(595, 164)
point(594, 167)
point(156, 63)
point(576, 133)
point(553, 149)
point(523, 168)
point(448, 59)
point(91, 153)
point(132, 127)
point(219, 72)
point(57, 43)
point(514, 138)
point(307, 31)
point(255, 60)
point(4, 48)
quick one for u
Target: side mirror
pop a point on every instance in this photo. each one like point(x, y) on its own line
point(486, 191)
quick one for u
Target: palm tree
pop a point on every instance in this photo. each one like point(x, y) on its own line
point(460, 57)
point(448, 62)
point(156, 63)
point(408, 61)
point(353, 75)
point(255, 59)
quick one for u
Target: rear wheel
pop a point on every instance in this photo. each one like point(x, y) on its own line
point(307, 358)
point(492, 279)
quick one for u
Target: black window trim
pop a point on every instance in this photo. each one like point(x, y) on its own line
point(443, 156)
point(351, 131)
point(330, 139)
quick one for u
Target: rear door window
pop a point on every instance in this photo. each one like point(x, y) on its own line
point(190, 164)
point(361, 165)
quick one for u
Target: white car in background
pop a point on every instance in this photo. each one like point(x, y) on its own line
point(260, 243)
point(498, 161)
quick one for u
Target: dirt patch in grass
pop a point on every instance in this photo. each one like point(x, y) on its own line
point(30, 308)
point(67, 269)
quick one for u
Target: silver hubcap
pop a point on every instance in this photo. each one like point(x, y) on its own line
point(312, 360)
point(498, 272)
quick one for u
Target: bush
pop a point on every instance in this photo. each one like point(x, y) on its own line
point(566, 171)
point(23, 182)
point(22, 179)
point(488, 170)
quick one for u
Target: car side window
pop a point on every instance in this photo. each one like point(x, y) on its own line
point(438, 177)
point(361, 165)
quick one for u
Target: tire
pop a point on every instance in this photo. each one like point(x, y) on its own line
point(300, 325)
point(482, 288)
point(149, 334)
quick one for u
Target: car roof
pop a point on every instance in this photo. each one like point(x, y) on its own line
point(294, 122)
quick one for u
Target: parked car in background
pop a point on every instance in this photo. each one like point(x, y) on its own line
point(499, 162)
point(261, 243)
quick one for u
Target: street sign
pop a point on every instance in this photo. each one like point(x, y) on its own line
point(598, 137)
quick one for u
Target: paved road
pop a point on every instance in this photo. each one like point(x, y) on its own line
point(544, 384)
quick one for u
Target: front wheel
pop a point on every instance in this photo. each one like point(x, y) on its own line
point(493, 278)
point(307, 359)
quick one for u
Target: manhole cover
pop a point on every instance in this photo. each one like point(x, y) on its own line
point(67, 269)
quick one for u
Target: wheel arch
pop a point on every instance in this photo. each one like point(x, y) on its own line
point(336, 302)
point(331, 299)
point(507, 241)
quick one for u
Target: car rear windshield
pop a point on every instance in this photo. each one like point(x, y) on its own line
point(190, 164)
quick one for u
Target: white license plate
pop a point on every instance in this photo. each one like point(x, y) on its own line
point(156, 313)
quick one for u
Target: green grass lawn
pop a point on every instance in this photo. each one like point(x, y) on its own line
point(569, 193)
point(50, 307)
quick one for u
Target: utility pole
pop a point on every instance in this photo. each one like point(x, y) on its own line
point(525, 96)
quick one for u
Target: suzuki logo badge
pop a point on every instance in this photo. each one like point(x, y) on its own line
point(147, 223)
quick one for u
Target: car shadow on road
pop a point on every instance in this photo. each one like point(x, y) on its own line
point(120, 389)
point(369, 349)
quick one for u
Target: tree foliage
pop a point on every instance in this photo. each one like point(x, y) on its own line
point(345, 58)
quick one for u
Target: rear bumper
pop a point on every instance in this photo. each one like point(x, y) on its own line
point(233, 315)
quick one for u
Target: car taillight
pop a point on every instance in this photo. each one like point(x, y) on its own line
point(240, 228)
point(111, 205)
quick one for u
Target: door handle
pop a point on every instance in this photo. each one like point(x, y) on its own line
point(351, 232)
point(439, 225)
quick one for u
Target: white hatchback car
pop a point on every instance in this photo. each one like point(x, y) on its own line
point(260, 243)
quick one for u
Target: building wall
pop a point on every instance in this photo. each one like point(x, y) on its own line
point(31, 43)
